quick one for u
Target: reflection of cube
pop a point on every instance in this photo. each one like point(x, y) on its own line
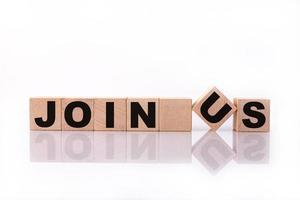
point(77, 146)
point(142, 147)
point(175, 147)
point(78, 114)
point(213, 152)
point(143, 114)
point(45, 114)
point(110, 114)
point(214, 108)
point(252, 115)
point(45, 146)
point(251, 147)
point(175, 114)
point(110, 146)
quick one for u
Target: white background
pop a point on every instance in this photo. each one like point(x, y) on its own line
point(149, 48)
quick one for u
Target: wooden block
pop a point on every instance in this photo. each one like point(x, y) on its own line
point(143, 114)
point(45, 114)
point(214, 108)
point(78, 114)
point(110, 114)
point(175, 114)
point(252, 115)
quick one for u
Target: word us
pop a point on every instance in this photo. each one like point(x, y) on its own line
point(148, 114)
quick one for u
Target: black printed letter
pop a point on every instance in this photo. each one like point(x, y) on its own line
point(86, 114)
point(50, 116)
point(261, 119)
point(219, 115)
point(137, 110)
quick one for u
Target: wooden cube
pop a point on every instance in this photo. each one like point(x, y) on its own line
point(214, 108)
point(175, 115)
point(143, 114)
point(252, 115)
point(45, 114)
point(78, 114)
point(110, 114)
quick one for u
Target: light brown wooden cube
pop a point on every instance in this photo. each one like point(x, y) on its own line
point(175, 115)
point(143, 114)
point(214, 108)
point(78, 114)
point(110, 114)
point(253, 115)
point(45, 114)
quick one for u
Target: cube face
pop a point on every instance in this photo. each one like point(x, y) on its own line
point(253, 115)
point(45, 114)
point(175, 115)
point(214, 108)
point(143, 114)
point(77, 114)
point(110, 114)
point(251, 147)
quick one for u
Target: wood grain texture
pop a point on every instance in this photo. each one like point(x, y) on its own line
point(214, 108)
point(239, 116)
point(119, 113)
point(77, 114)
point(38, 108)
point(175, 115)
point(144, 103)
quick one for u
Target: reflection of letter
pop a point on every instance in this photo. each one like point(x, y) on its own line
point(251, 147)
point(212, 151)
point(100, 146)
point(142, 147)
point(45, 146)
point(110, 146)
point(77, 146)
point(175, 147)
